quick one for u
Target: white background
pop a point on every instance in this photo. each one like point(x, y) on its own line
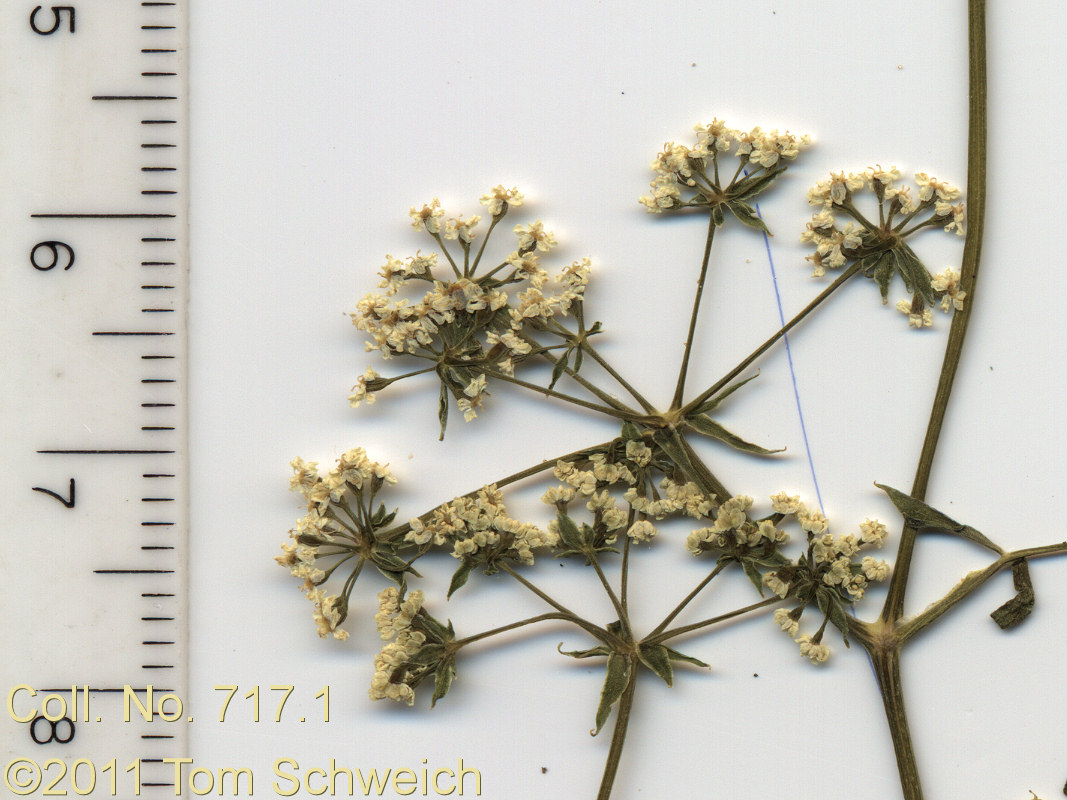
point(315, 128)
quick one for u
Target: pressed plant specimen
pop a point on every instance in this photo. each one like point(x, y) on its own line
point(470, 316)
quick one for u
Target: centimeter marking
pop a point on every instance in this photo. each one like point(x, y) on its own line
point(115, 542)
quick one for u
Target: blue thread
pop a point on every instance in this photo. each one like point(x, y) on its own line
point(789, 356)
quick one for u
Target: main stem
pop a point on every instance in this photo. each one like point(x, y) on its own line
point(972, 250)
point(618, 735)
point(887, 669)
point(887, 660)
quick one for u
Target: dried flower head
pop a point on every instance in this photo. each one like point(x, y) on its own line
point(689, 177)
point(844, 235)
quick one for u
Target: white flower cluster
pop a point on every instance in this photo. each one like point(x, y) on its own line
point(677, 497)
point(354, 472)
point(600, 474)
point(835, 246)
point(481, 524)
point(391, 678)
point(467, 319)
point(678, 165)
point(829, 563)
point(595, 483)
point(733, 528)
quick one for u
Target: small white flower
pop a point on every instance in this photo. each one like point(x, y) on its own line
point(641, 531)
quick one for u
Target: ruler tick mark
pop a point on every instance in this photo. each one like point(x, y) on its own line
point(156, 310)
point(156, 428)
point(103, 216)
point(156, 524)
point(158, 169)
point(157, 380)
point(158, 263)
point(157, 27)
point(157, 405)
point(155, 547)
point(156, 50)
point(133, 333)
point(156, 594)
point(158, 619)
point(157, 499)
point(108, 452)
point(154, 192)
point(156, 286)
point(159, 122)
point(134, 97)
point(158, 74)
point(157, 475)
point(134, 572)
point(154, 239)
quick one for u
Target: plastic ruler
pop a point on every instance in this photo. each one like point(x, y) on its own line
point(93, 283)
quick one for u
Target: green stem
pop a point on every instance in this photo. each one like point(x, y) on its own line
point(595, 630)
point(624, 575)
point(611, 593)
point(441, 244)
point(592, 353)
point(688, 599)
point(619, 413)
point(719, 385)
point(614, 402)
point(972, 250)
point(485, 241)
point(505, 628)
point(969, 584)
point(679, 388)
point(886, 652)
point(660, 638)
point(887, 669)
point(401, 530)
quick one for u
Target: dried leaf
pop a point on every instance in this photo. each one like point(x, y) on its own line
point(920, 516)
point(748, 215)
point(568, 532)
point(916, 275)
point(442, 411)
point(1017, 609)
point(830, 605)
point(753, 574)
point(752, 185)
point(882, 271)
point(427, 654)
point(676, 656)
point(657, 659)
point(709, 427)
point(599, 650)
point(459, 577)
point(618, 675)
point(559, 367)
point(443, 677)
